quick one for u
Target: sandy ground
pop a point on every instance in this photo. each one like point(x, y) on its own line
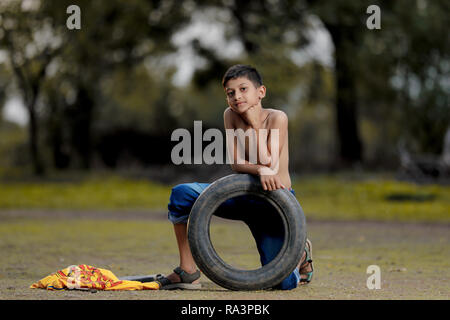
point(414, 258)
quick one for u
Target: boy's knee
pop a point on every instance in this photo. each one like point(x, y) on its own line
point(182, 198)
point(188, 192)
point(179, 191)
point(179, 197)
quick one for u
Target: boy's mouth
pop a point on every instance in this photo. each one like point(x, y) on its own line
point(237, 104)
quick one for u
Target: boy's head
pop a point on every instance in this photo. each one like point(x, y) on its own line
point(243, 71)
point(243, 87)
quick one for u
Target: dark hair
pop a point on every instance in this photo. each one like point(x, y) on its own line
point(240, 70)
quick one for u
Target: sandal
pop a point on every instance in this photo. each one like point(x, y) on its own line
point(186, 281)
point(308, 259)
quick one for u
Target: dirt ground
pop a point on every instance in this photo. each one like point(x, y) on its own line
point(414, 258)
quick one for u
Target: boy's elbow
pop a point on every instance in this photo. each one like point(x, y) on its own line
point(266, 162)
point(236, 168)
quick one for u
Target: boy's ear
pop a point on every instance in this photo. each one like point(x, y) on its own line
point(262, 91)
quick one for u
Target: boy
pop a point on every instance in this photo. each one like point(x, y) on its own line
point(244, 92)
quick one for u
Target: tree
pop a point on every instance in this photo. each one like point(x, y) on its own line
point(113, 34)
point(345, 22)
point(28, 59)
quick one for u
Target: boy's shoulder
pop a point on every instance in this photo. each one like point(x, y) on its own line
point(273, 114)
point(227, 112)
point(276, 114)
point(276, 119)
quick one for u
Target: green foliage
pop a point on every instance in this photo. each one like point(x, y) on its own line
point(117, 72)
point(405, 66)
point(133, 98)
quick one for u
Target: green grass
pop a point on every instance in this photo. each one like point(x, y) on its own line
point(102, 192)
point(377, 198)
point(332, 197)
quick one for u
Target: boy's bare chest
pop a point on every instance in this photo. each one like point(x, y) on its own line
point(250, 138)
point(241, 124)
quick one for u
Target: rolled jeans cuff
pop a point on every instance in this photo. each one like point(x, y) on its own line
point(175, 219)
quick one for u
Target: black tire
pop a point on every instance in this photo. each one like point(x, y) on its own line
point(209, 261)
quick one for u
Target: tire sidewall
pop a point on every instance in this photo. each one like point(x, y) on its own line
point(218, 270)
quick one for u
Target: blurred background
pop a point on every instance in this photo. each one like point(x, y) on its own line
point(102, 101)
point(86, 117)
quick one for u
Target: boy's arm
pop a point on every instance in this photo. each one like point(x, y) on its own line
point(245, 167)
point(280, 126)
point(269, 177)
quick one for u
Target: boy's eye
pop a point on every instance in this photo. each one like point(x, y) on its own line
point(243, 89)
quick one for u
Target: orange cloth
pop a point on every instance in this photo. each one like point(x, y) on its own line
point(87, 277)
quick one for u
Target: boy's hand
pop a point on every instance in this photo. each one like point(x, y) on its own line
point(251, 117)
point(269, 180)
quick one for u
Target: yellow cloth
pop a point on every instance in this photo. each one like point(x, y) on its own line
point(87, 277)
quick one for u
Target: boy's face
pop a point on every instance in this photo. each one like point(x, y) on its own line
point(242, 94)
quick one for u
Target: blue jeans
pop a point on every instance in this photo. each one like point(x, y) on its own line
point(261, 218)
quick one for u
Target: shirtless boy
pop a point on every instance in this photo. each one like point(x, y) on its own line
point(244, 91)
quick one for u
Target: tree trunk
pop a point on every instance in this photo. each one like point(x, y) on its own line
point(350, 147)
point(38, 167)
point(80, 115)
